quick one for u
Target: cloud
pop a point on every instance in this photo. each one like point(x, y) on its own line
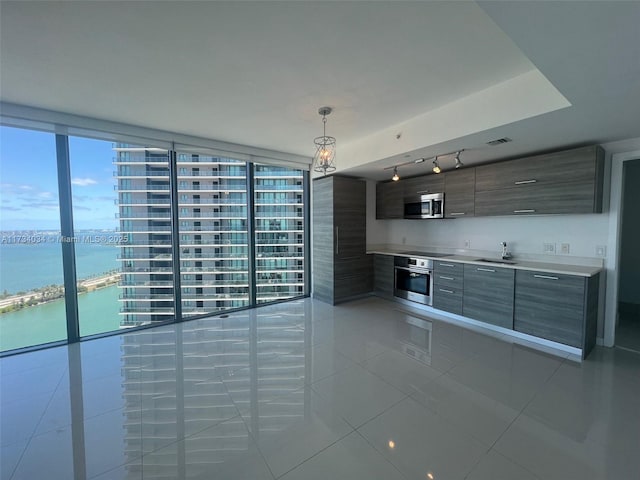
point(80, 207)
point(83, 182)
point(10, 209)
point(45, 205)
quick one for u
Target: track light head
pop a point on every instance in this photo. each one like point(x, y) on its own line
point(436, 166)
point(395, 177)
point(458, 161)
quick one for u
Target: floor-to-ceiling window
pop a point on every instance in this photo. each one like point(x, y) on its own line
point(144, 212)
point(96, 237)
point(214, 250)
point(32, 308)
point(279, 232)
point(158, 236)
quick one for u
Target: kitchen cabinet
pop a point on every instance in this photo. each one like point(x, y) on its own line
point(488, 294)
point(424, 184)
point(448, 281)
point(383, 275)
point(459, 193)
point(564, 182)
point(561, 308)
point(389, 200)
point(341, 267)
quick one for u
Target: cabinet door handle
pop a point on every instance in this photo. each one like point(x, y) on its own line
point(337, 240)
point(485, 270)
point(524, 182)
point(527, 210)
point(445, 290)
point(457, 214)
point(446, 265)
point(546, 277)
point(446, 278)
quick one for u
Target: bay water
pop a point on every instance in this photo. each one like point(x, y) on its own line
point(24, 267)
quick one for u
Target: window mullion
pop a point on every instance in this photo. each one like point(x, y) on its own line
point(175, 235)
point(251, 234)
point(67, 236)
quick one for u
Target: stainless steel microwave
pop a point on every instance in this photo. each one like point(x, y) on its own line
point(424, 206)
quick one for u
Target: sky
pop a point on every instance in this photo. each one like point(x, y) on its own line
point(29, 185)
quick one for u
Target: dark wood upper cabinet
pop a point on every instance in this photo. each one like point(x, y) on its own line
point(459, 193)
point(562, 182)
point(432, 183)
point(389, 200)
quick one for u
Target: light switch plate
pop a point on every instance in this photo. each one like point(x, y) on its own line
point(565, 248)
point(601, 251)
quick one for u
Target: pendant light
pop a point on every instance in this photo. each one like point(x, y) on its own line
point(324, 159)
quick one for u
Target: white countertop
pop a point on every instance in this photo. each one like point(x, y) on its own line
point(561, 269)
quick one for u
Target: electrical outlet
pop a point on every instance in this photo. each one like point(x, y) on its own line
point(601, 251)
point(549, 248)
point(467, 244)
point(565, 248)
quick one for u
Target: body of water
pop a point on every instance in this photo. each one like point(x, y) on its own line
point(24, 267)
point(98, 313)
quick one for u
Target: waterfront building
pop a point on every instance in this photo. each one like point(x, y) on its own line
point(213, 234)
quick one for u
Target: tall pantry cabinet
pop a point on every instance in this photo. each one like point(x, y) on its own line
point(341, 267)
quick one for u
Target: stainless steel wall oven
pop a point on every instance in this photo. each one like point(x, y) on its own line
point(413, 279)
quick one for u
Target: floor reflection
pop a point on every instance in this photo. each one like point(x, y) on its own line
point(308, 390)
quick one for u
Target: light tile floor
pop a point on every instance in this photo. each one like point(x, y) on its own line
point(304, 390)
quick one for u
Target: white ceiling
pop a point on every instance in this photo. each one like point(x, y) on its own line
point(255, 73)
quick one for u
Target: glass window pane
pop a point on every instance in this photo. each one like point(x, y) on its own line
point(97, 238)
point(32, 309)
point(279, 224)
point(213, 227)
point(143, 208)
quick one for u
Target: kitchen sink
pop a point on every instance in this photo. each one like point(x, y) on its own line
point(490, 260)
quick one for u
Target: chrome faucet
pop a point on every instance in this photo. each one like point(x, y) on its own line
point(506, 255)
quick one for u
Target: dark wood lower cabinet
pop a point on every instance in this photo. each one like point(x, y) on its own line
point(488, 294)
point(383, 275)
point(561, 308)
point(448, 284)
point(557, 307)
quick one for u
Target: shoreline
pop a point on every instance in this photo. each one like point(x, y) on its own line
point(50, 293)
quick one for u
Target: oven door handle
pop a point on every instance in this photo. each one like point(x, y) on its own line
point(419, 271)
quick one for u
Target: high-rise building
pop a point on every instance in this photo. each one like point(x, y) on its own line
point(214, 231)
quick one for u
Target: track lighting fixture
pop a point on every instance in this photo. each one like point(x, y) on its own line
point(436, 166)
